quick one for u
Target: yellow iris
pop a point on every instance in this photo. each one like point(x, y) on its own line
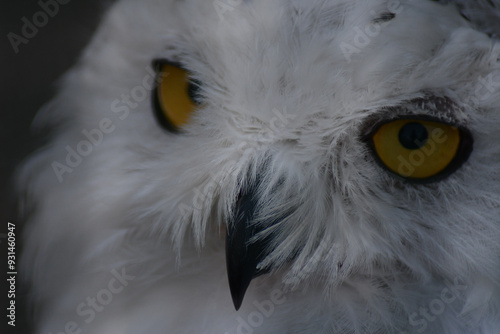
point(175, 95)
point(416, 148)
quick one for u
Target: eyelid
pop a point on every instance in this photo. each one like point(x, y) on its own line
point(159, 63)
point(374, 124)
point(428, 107)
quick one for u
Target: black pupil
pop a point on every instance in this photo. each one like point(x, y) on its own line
point(194, 91)
point(413, 136)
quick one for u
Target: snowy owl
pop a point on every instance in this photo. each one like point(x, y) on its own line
point(272, 166)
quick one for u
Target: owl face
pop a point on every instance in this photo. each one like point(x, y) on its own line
point(324, 140)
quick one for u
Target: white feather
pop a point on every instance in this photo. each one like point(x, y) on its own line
point(281, 91)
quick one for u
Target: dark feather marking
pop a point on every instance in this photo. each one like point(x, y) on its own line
point(384, 17)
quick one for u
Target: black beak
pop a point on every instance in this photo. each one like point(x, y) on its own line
point(243, 254)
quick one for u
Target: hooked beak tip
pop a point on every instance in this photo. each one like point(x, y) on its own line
point(243, 256)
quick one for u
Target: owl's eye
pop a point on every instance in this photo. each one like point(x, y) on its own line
point(176, 96)
point(421, 150)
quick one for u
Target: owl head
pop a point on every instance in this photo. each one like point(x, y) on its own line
point(316, 144)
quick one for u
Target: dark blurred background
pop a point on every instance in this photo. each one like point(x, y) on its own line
point(28, 81)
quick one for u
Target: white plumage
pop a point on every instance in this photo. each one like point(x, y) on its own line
point(128, 220)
